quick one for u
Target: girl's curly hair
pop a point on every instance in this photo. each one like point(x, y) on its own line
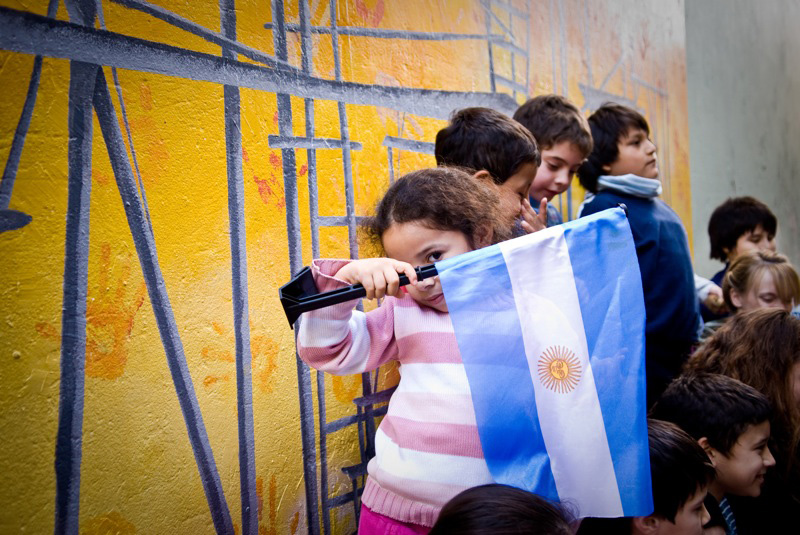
point(442, 198)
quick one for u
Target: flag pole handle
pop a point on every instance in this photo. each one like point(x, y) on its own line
point(301, 295)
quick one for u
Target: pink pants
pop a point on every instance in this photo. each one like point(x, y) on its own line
point(375, 524)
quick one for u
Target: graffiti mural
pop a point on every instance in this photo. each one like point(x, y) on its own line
point(168, 165)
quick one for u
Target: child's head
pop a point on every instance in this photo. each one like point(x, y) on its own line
point(761, 279)
point(500, 510)
point(730, 420)
point(622, 146)
point(564, 140)
point(486, 141)
point(433, 214)
point(762, 349)
point(680, 473)
point(739, 225)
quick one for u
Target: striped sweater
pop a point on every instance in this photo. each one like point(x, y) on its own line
point(427, 448)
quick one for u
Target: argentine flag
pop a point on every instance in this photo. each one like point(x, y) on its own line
point(551, 332)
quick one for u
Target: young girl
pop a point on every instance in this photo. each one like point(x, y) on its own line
point(761, 279)
point(427, 446)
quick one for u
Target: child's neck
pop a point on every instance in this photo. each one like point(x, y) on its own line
point(716, 490)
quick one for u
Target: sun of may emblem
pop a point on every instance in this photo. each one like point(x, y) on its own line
point(559, 369)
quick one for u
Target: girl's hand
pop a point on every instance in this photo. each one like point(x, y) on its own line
point(379, 276)
point(531, 221)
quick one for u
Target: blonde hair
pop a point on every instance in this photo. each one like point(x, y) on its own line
point(748, 269)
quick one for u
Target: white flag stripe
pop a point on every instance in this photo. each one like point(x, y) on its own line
point(569, 410)
point(426, 466)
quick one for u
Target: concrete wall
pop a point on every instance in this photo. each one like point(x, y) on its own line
point(160, 183)
point(744, 117)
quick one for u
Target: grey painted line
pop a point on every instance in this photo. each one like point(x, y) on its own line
point(209, 35)
point(336, 220)
point(528, 47)
point(69, 437)
point(145, 245)
point(385, 33)
point(281, 142)
point(13, 220)
point(306, 46)
point(587, 44)
point(511, 47)
point(647, 85)
point(344, 134)
point(295, 264)
point(513, 62)
point(511, 9)
point(511, 84)
point(613, 70)
point(391, 163)
point(124, 113)
point(487, 5)
point(594, 98)
point(422, 147)
point(241, 312)
point(562, 32)
point(32, 34)
point(488, 24)
point(14, 155)
point(323, 454)
point(18, 142)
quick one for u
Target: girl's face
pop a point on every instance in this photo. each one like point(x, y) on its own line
point(762, 294)
point(419, 245)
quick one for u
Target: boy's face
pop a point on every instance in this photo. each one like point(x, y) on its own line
point(637, 155)
point(742, 471)
point(690, 518)
point(514, 190)
point(559, 164)
point(752, 240)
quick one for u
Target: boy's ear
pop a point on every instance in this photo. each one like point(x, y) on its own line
point(606, 168)
point(712, 453)
point(483, 174)
point(647, 525)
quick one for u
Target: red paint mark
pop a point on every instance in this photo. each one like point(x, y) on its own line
point(211, 379)
point(295, 522)
point(260, 496)
point(371, 16)
point(275, 117)
point(303, 170)
point(245, 156)
point(275, 160)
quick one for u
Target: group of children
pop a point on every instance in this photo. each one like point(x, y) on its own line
point(495, 178)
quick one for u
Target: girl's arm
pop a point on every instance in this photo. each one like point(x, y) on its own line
point(343, 341)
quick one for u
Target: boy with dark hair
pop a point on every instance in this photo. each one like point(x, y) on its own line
point(623, 168)
point(738, 225)
point(730, 421)
point(564, 140)
point(491, 144)
point(680, 474)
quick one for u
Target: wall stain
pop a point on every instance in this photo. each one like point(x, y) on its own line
point(110, 314)
point(343, 391)
point(111, 523)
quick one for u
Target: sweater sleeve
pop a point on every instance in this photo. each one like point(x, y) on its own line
point(340, 340)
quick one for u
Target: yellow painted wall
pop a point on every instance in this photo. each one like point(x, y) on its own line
point(138, 472)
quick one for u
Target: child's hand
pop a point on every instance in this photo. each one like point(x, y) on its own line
point(714, 301)
point(379, 276)
point(531, 221)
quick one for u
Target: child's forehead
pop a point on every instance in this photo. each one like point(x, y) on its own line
point(632, 131)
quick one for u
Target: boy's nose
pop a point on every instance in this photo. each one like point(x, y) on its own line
point(563, 177)
point(651, 147)
point(705, 516)
point(769, 460)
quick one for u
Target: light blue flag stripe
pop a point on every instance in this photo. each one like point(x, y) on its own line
point(484, 315)
point(602, 250)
